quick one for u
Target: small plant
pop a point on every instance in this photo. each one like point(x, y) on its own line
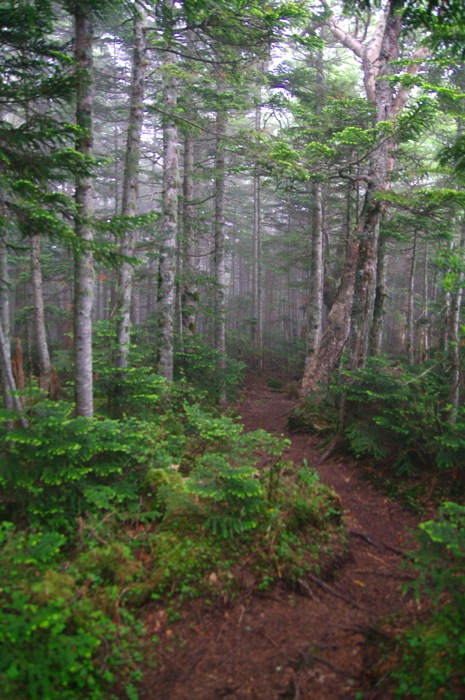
point(275, 383)
point(61, 467)
point(197, 362)
point(56, 642)
point(432, 655)
point(233, 495)
point(314, 415)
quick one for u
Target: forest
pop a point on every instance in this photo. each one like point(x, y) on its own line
point(232, 264)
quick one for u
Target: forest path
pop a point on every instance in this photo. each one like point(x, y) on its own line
point(308, 646)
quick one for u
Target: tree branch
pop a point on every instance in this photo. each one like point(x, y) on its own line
point(402, 96)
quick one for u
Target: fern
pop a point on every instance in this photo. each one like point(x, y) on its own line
point(364, 443)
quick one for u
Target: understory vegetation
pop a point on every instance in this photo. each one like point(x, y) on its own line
point(101, 518)
point(410, 441)
point(397, 420)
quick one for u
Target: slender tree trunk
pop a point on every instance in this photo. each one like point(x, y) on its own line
point(454, 336)
point(129, 205)
point(379, 311)
point(5, 323)
point(84, 259)
point(45, 365)
point(336, 332)
point(8, 380)
point(189, 293)
point(169, 224)
point(257, 292)
point(219, 247)
point(424, 330)
point(315, 303)
point(410, 320)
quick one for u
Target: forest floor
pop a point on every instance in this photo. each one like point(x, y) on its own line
point(312, 644)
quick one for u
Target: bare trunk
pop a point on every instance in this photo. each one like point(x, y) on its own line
point(129, 205)
point(219, 253)
point(169, 224)
point(315, 303)
point(5, 323)
point(454, 337)
point(8, 380)
point(334, 338)
point(257, 295)
point(379, 311)
point(410, 321)
point(189, 293)
point(84, 259)
point(45, 365)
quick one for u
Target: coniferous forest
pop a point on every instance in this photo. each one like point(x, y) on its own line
point(198, 197)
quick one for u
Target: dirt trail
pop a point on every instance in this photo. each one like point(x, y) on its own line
point(287, 645)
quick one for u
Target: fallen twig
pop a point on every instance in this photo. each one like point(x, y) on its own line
point(376, 544)
point(343, 597)
point(307, 656)
point(385, 574)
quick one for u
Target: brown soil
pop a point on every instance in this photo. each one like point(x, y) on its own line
point(311, 644)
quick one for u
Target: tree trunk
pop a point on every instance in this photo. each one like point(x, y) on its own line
point(219, 248)
point(334, 338)
point(454, 336)
point(315, 303)
point(257, 296)
point(351, 321)
point(169, 224)
point(410, 316)
point(189, 290)
point(45, 365)
point(5, 323)
point(379, 311)
point(129, 205)
point(84, 259)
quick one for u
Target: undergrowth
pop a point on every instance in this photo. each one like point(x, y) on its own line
point(102, 517)
point(427, 661)
point(397, 423)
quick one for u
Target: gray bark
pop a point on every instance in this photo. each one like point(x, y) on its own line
point(219, 247)
point(315, 302)
point(379, 311)
point(410, 316)
point(129, 206)
point(169, 224)
point(8, 380)
point(189, 290)
point(45, 365)
point(454, 337)
point(257, 256)
point(352, 322)
point(84, 259)
point(5, 323)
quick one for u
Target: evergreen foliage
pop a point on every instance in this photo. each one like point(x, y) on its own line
point(431, 656)
point(396, 416)
point(102, 516)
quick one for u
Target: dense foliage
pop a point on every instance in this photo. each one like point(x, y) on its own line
point(191, 189)
point(103, 516)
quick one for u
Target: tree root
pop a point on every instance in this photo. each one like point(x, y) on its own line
point(307, 657)
point(341, 596)
point(376, 544)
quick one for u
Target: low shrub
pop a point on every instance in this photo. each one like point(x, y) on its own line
point(56, 642)
point(432, 654)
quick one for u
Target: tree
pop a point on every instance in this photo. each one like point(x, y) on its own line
point(35, 141)
point(84, 257)
point(130, 204)
point(351, 317)
point(171, 182)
